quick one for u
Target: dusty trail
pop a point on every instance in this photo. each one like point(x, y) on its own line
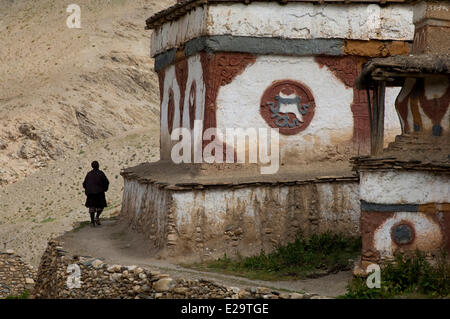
point(51, 201)
point(116, 245)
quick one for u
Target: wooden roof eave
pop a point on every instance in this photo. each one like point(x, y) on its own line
point(395, 69)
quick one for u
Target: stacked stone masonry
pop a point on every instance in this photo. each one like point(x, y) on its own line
point(16, 276)
point(206, 223)
point(103, 281)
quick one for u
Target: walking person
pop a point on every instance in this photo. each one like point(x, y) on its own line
point(95, 185)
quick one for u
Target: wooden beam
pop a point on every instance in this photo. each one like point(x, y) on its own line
point(376, 117)
point(371, 124)
point(386, 74)
point(373, 133)
point(379, 139)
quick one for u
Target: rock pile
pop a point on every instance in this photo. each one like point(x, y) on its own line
point(16, 276)
point(65, 277)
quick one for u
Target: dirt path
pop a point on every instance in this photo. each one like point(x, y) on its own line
point(49, 202)
point(116, 245)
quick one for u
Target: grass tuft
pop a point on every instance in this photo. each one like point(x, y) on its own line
point(305, 257)
point(407, 276)
point(81, 225)
point(48, 220)
point(24, 295)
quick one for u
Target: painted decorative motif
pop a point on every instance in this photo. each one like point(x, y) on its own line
point(422, 105)
point(218, 70)
point(192, 102)
point(384, 233)
point(170, 111)
point(161, 76)
point(403, 233)
point(347, 69)
point(181, 73)
point(288, 105)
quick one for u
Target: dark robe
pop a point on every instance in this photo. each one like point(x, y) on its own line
point(95, 185)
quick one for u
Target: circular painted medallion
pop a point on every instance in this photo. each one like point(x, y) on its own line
point(402, 233)
point(287, 105)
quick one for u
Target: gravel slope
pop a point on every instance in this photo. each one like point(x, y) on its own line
point(67, 97)
point(62, 87)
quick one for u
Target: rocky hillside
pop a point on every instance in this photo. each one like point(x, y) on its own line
point(63, 88)
point(67, 97)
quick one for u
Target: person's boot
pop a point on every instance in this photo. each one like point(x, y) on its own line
point(97, 218)
point(92, 219)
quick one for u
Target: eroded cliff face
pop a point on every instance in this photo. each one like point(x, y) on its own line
point(206, 223)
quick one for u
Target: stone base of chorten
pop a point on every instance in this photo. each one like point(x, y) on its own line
point(202, 211)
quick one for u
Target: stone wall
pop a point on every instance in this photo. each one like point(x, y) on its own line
point(16, 276)
point(206, 223)
point(103, 281)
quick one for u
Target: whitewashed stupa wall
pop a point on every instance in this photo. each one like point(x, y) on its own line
point(213, 221)
point(238, 106)
point(258, 29)
point(292, 20)
point(194, 83)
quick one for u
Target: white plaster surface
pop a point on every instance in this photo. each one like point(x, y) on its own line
point(403, 94)
point(435, 88)
point(170, 82)
point(265, 215)
point(292, 20)
point(343, 197)
point(338, 204)
point(215, 202)
point(238, 103)
point(392, 126)
point(404, 187)
point(310, 21)
point(428, 234)
point(141, 200)
point(195, 73)
point(174, 33)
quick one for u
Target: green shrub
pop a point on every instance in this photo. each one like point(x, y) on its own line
point(24, 295)
point(304, 257)
point(407, 276)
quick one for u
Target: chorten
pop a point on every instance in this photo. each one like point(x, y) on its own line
point(278, 71)
point(405, 188)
